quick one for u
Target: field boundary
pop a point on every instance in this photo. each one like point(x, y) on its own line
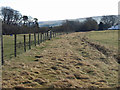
point(37, 39)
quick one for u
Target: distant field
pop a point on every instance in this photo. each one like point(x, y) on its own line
point(108, 38)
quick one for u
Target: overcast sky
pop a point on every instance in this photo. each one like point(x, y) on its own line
point(46, 10)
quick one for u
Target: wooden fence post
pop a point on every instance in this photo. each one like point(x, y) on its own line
point(2, 59)
point(41, 37)
point(47, 35)
point(38, 38)
point(50, 35)
point(35, 39)
point(24, 43)
point(44, 37)
point(15, 50)
point(54, 34)
point(29, 41)
point(1, 42)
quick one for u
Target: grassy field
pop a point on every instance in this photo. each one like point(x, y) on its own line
point(108, 38)
point(8, 43)
point(67, 61)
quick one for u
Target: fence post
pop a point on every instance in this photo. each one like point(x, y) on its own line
point(15, 50)
point(29, 41)
point(50, 34)
point(35, 39)
point(47, 35)
point(41, 37)
point(2, 59)
point(24, 43)
point(38, 38)
point(44, 36)
point(1, 42)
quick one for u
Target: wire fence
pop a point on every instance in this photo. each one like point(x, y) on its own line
point(15, 44)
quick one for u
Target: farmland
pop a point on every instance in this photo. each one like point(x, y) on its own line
point(80, 59)
point(108, 38)
point(9, 44)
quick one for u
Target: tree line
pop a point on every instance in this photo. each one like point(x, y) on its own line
point(14, 17)
point(14, 22)
point(90, 24)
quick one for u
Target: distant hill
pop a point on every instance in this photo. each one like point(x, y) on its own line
point(59, 22)
point(51, 23)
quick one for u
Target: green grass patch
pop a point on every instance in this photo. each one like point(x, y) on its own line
point(8, 44)
point(107, 37)
point(57, 37)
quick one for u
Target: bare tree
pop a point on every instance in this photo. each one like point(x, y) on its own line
point(25, 19)
point(17, 16)
point(10, 15)
point(7, 14)
point(4, 13)
point(36, 22)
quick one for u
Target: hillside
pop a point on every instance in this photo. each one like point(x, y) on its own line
point(59, 22)
point(67, 61)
